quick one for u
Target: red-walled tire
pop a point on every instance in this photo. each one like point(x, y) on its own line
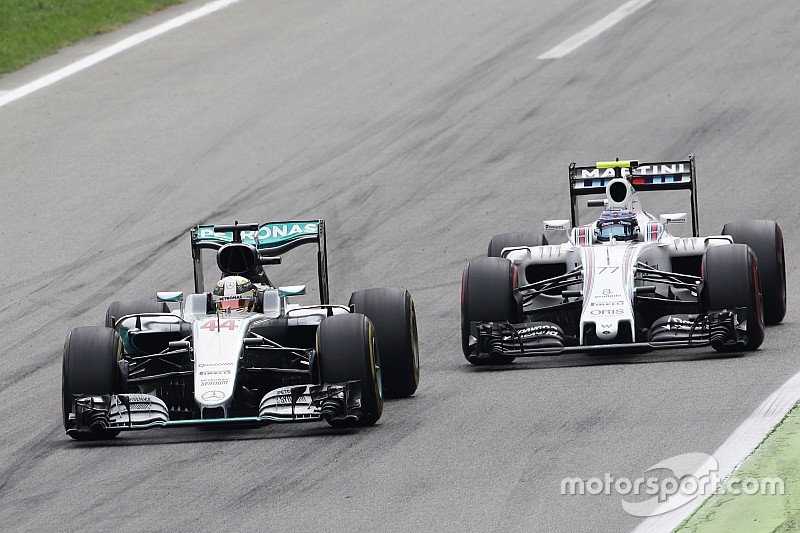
point(766, 239)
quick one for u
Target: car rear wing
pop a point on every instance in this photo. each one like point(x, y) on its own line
point(660, 176)
point(270, 239)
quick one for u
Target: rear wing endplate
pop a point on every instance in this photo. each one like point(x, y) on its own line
point(660, 176)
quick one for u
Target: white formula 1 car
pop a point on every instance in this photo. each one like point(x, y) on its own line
point(623, 282)
point(242, 354)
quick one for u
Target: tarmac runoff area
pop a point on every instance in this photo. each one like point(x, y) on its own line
point(777, 457)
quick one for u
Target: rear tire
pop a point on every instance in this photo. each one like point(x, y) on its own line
point(521, 238)
point(132, 307)
point(731, 279)
point(90, 366)
point(766, 239)
point(391, 312)
point(488, 295)
point(347, 349)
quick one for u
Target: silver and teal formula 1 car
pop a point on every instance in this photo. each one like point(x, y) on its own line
point(623, 282)
point(241, 359)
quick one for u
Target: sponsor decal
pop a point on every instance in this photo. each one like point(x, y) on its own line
point(677, 323)
point(556, 225)
point(213, 382)
point(534, 331)
point(201, 365)
point(138, 398)
point(266, 235)
point(598, 312)
point(214, 372)
point(609, 294)
point(642, 170)
point(607, 304)
point(136, 402)
point(301, 400)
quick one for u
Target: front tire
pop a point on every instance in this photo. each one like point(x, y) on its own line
point(90, 366)
point(132, 307)
point(392, 313)
point(766, 239)
point(731, 279)
point(520, 238)
point(347, 349)
point(488, 294)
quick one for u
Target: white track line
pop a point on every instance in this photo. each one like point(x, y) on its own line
point(129, 42)
point(589, 33)
point(734, 451)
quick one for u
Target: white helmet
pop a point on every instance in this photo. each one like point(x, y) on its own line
point(234, 293)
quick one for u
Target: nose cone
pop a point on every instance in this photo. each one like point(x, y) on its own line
point(607, 331)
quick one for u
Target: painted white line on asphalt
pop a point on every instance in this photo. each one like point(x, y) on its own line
point(734, 451)
point(589, 33)
point(114, 49)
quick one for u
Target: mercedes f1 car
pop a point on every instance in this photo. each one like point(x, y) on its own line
point(241, 354)
point(623, 282)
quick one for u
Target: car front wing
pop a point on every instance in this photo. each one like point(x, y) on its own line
point(336, 402)
point(531, 339)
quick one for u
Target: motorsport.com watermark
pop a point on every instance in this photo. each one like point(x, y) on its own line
point(672, 483)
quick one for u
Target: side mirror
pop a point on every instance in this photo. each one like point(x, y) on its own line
point(169, 296)
point(291, 290)
point(672, 218)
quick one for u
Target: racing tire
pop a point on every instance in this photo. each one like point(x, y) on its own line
point(392, 313)
point(504, 240)
point(90, 366)
point(488, 294)
point(766, 239)
point(347, 349)
point(731, 279)
point(132, 307)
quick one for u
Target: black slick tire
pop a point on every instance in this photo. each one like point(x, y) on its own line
point(731, 279)
point(132, 307)
point(90, 367)
point(520, 238)
point(766, 239)
point(347, 350)
point(391, 311)
point(488, 287)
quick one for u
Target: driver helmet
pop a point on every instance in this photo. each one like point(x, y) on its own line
point(234, 294)
point(620, 224)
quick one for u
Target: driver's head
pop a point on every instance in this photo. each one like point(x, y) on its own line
point(620, 224)
point(234, 294)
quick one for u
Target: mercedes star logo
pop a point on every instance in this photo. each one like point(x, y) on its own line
point(213, 395)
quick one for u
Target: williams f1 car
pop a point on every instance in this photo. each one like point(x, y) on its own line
point(241, 354)
point(623, 282)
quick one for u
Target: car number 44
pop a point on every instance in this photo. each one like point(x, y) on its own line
point(214, 324)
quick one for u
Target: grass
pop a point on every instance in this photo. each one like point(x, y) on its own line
point(32, 29)
point(777, 457)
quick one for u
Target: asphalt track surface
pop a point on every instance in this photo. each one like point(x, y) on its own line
point(417, 130)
